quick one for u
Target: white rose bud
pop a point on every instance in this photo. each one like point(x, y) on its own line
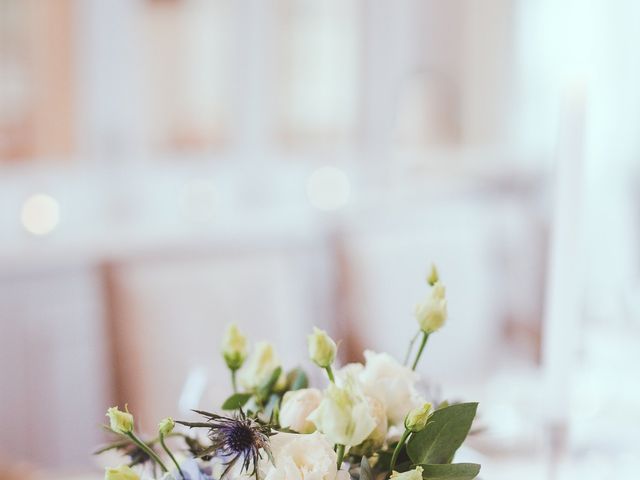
point(432, 313)
point(417, 418)
point(166, 426)
point(298, 457)
point(296, 407)
point(234, 347)
point(344, 415)
point(259, 367)
point(415, 474)
point(433, 277)
point(121, 473)
point(322, 349)
point(120, 422)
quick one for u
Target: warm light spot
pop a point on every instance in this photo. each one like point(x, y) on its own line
point(40, 214)
point(328, 188)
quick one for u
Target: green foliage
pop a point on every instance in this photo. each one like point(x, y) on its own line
point(297, 379)
point(235, 401)
point(445, 431)
point(456, 471)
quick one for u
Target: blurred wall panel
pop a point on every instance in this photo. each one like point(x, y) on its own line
point(54, 375)
point(170, 316)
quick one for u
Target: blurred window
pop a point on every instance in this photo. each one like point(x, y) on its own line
point(320, 50)
point(188, 75)
point(36, 80)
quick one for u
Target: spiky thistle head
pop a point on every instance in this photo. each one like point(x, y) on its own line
point(237, 438)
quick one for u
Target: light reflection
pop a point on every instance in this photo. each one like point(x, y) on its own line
point(40, 214)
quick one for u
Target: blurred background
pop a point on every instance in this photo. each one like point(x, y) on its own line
point(169, 166)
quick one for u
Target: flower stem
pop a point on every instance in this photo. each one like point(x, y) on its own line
point(173, 459)
point(234, 382)
point(340, 452)
point(396, 452)
point(331, 377)
point(147, 450)
point(413, 340)
point(425, 337)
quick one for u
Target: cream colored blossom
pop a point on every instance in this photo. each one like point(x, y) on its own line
point(121, 473)
point(302, 457)
point(234, 347)
point(344, 415)
point(390, 382)
point(120, 422)
point(296, 407)
point(432, 312)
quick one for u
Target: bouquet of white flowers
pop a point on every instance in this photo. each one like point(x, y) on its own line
point(369, 422)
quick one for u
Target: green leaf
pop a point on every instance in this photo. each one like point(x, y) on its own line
point(445, 431)
point(264, 391)
point(297, 379)
point(456, 471)
point(273, 406)
point(235, 401)
point(365, 470)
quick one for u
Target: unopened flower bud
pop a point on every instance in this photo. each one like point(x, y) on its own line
point(415, 474)
point(166, 426)
point(120, 422)
point(234, 347)
point(417, 418)
point(322, 349)
point(121, 473)
point(432, 313)
point(432, 279)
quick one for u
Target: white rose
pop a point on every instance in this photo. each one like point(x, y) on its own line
point(302, 457)
point(259, 367)
point(344, 415)
point(377, 437)
point(393, 384)
point(349, 372)
point(296, 407)
point(378, 412)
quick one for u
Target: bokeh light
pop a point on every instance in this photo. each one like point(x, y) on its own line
point(40, 214)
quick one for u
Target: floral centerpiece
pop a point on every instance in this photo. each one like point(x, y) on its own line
point(369, 422)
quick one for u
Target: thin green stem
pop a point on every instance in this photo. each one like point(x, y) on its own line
point(173, 459)
point(331, 377)
point(340, 453)
point(234, 381)
point(425, 337)
point(147, 450)
point(413, 340)
point(396, 452)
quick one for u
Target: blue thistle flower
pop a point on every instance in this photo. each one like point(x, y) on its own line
point(235, 439)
